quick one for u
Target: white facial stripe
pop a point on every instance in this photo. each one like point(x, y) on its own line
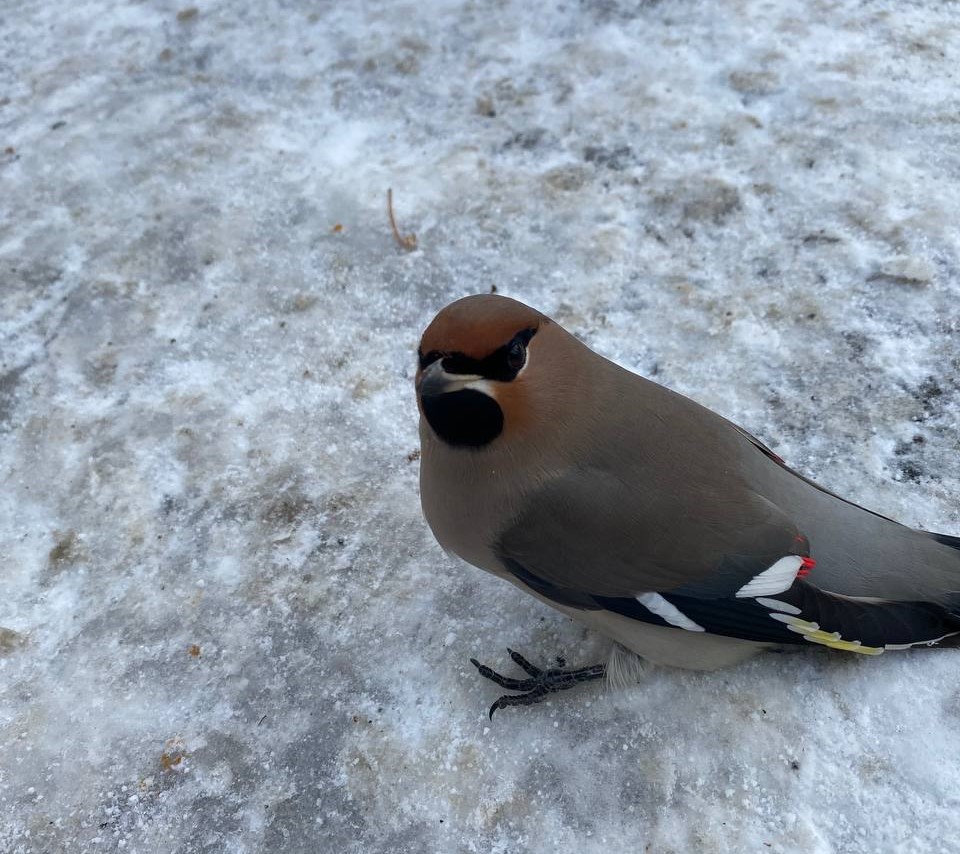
point(457, 381)
point(774, 579)
point(526, 362)
point(656, 604)
point(482, 385)
point(474, 382)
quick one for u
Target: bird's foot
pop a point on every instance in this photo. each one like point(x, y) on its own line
point(540, 684)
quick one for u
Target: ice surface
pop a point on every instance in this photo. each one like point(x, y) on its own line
point(224, 624)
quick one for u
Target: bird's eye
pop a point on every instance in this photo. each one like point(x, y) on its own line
point(516, 355)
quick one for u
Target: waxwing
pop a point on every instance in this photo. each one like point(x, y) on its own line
point(648, 517)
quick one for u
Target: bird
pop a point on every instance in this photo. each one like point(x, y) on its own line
point(648, 517)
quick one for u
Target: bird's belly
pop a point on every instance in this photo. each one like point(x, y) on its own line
point(671, 647)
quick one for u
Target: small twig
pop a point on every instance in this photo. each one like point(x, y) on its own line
point(261, 720)
point(408, 243)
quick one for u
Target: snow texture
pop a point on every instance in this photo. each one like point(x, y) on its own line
point(225, 625)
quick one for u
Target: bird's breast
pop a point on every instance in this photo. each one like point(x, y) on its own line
point(465, 498)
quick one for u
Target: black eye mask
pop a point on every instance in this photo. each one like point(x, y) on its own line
point(502, 364)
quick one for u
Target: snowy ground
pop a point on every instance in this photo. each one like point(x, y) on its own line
point(225, 625)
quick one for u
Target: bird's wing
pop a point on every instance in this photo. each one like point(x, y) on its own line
point(801, 613)
point(595, 530)
point(731, 564)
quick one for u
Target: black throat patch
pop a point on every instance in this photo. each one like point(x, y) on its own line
point(464, 418)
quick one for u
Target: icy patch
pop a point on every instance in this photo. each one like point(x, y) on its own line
point(224, 624)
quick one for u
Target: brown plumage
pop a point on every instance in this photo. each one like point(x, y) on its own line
point(647, 516)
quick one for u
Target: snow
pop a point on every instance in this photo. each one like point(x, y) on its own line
point(225, 625)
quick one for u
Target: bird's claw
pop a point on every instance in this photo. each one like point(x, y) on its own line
point(539, 685)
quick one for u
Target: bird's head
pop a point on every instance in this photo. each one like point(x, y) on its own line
point(488, 371)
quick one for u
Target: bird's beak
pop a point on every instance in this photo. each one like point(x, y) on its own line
point(434, 380)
